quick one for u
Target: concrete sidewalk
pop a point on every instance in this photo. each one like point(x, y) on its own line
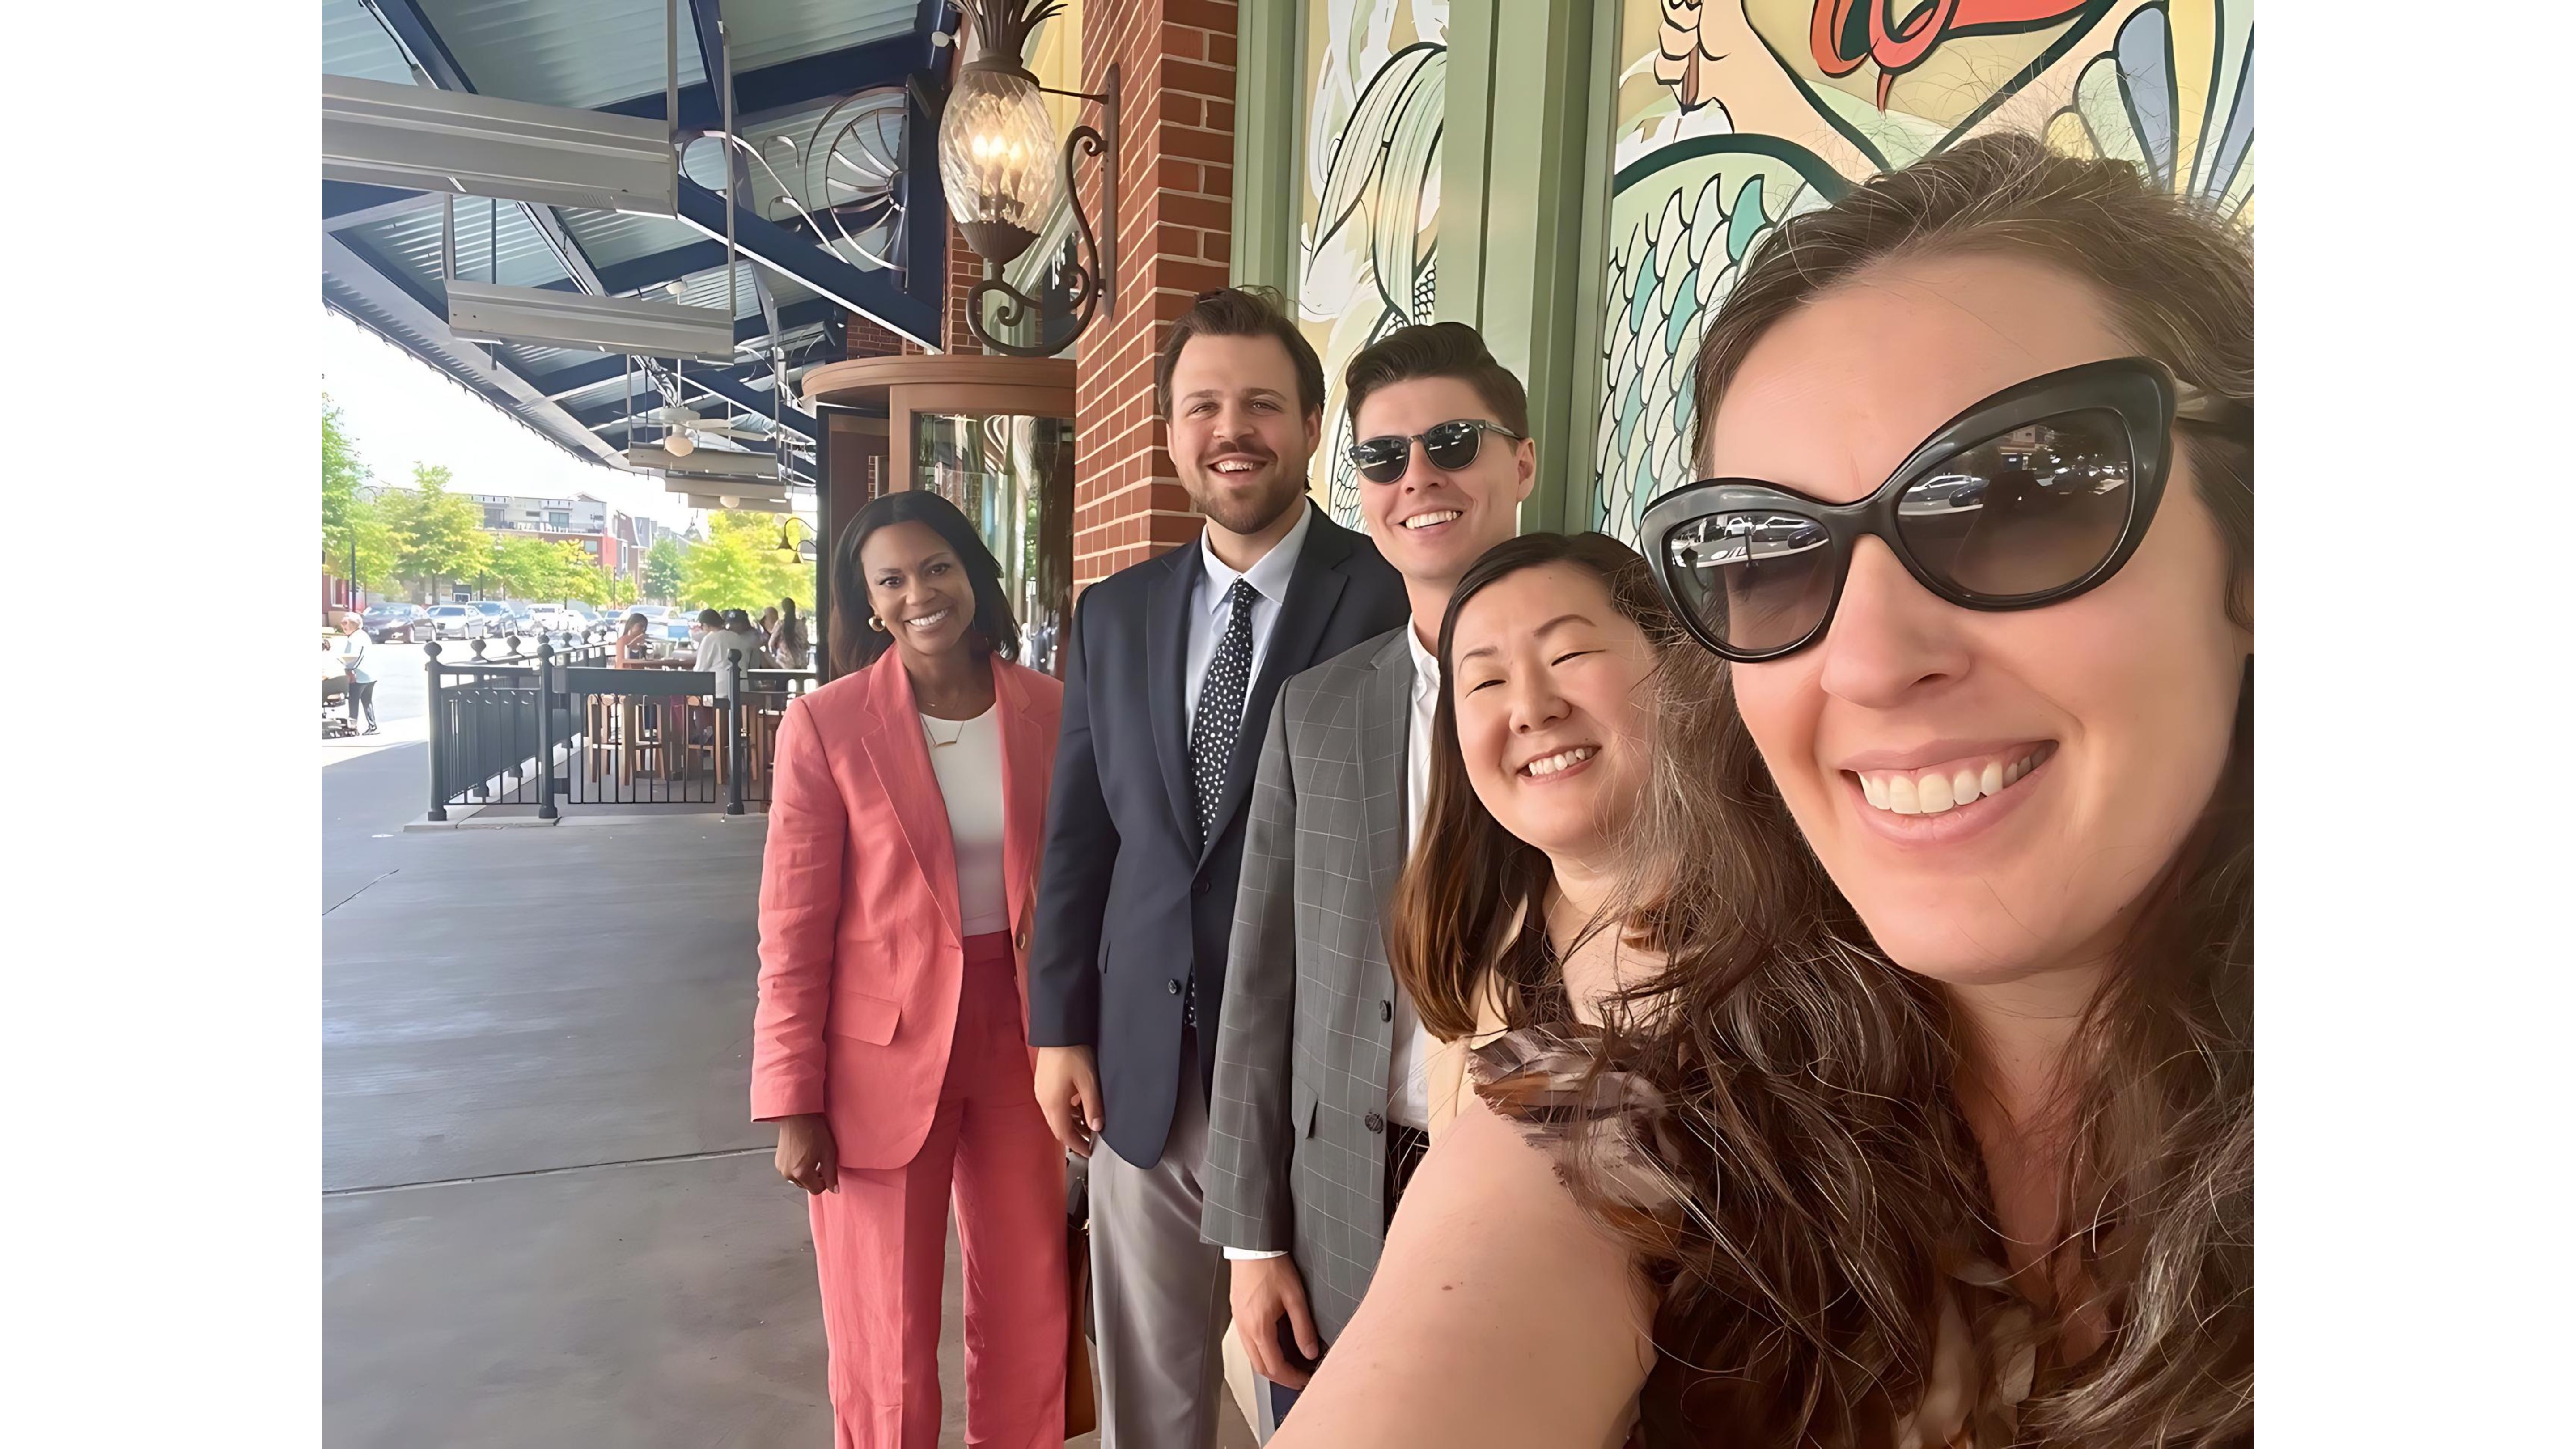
point(545, 1219)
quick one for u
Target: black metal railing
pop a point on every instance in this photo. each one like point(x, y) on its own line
point(508, 728)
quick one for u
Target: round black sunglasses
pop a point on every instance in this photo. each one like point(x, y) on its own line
point(1450, 446)
point(2028, 498)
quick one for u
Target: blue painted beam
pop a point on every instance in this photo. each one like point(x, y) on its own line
point(350, 203)
point(411, 27)
point(567, 380)
point(706, 18)
point(385, 287)
point(872, 293)
point(788, 85)
point(601, 416)
point(743, 396)
point(645, 272)
point(413, 30)
point(922, 247)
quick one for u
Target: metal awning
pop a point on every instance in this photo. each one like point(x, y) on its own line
point(804, 71)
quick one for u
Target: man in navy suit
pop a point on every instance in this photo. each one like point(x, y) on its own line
point(1171, 669)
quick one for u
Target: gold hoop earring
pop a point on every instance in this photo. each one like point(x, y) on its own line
point(876, 623)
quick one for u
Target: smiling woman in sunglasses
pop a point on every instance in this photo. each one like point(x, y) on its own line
point(1938, 1127)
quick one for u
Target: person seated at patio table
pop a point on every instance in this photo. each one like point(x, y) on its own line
point(891, 1046)
point(755, 642)
point(634, 646)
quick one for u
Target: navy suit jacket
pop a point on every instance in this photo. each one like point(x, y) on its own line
point(1130, 900)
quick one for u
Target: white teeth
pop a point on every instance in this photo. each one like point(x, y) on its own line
point(1426, 520)
point(929, 621)
point(1932, 792)
point(1900, 795)
point(1559, 762)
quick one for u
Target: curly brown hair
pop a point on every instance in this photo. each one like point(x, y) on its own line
point(1837, 1205)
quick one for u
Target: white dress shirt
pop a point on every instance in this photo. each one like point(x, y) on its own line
point(1269, 579)
point(1408, 1096)
point(969, 770)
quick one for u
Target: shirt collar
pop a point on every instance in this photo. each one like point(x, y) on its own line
point(1426, 669)
point(1269, 576)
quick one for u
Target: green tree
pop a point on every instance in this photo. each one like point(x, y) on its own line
point(727, 571)
point(578, 575)
point(744, 568)
point(346, 513)
point(436, 534)
point(662, 568)
point(524, 566)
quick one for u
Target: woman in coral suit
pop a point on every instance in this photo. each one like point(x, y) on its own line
point(891, 1042)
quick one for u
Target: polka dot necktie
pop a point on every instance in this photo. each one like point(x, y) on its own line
point(1218, 721)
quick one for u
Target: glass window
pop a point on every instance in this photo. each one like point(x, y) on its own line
point(1012, 476)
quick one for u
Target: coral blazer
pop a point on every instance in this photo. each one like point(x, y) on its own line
point(861, 956)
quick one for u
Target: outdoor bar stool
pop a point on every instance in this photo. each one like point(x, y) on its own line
point(601, 732)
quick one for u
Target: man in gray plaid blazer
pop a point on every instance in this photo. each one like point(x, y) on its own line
point(1318, 1107)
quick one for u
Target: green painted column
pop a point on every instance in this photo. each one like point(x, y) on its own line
point(1515, 212)
point(1267, 65)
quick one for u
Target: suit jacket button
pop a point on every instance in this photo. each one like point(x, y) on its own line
point(1173, 987)
point(1386, 1011)
point(1199, 887)
point(1373, 1122)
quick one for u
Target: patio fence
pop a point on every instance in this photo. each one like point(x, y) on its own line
point(563, 726)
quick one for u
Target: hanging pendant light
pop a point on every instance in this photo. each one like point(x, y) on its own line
point(997, 157)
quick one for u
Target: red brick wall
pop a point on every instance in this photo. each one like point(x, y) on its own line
point(867, 339)
point(1175, 220)
point(965, 269)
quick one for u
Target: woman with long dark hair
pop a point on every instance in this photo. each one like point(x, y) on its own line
point(787, 640)
point(1542, 744)
point(1937, 1129)
point(891, 1043)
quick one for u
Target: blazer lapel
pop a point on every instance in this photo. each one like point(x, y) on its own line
point(901, 758)
point(1167, 648)
point(1313, 589)
point(1386, 729)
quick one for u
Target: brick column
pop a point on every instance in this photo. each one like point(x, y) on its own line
point(1175, 221)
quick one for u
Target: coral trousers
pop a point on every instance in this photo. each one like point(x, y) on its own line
point(881, 1241)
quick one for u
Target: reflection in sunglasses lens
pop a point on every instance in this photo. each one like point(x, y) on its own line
point(2033, 510)
point(1756, 580)
point(1450, 446)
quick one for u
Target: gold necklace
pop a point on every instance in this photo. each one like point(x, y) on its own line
point(936, 742)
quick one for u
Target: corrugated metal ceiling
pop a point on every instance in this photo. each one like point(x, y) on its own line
point(565, 52)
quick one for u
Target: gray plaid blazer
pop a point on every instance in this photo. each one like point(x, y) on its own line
point(1306, 1039)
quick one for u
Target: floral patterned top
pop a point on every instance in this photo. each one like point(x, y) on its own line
point(1540, 1079)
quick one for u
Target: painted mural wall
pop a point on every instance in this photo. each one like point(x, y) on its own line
point(1368, 168)
point(1734, 114)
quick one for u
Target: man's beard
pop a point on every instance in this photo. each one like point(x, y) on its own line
point(1249, 512)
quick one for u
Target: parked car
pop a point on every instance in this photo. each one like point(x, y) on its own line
point(497, 618)
point(388, 620)
point(457, 621)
